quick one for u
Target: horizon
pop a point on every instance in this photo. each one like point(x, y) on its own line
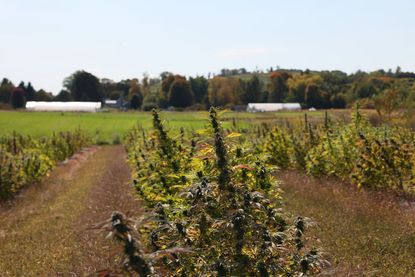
point(51, 40)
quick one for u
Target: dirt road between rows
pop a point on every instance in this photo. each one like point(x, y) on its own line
point(46, 230)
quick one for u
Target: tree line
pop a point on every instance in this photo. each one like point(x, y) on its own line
point(230, 88)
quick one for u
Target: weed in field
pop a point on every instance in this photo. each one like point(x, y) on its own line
point(24, 160)
point(203, 198)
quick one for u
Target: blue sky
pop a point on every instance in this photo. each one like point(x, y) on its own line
point(45, 41)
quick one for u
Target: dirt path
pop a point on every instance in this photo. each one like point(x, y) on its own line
point(365, 234)
point(45, 231)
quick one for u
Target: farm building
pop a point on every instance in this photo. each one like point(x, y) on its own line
point(273, 107)
point(120, 103)
point(63, 106)
point(111, 103)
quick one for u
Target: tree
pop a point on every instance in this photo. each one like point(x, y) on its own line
point(338, 101)
point(251, 90)
point(223, 91)
point(165, 74)
point(298, 84)
point(315, 97)
point(389, 102)
point(365, 90)
point(277, 87)
point(30, 92)
point(63, 96)
point(115, 94)
point(135, 102)
point(84, 86)
point(18, 99)
point(145, 84)
point(199, 86)
point(180, 93)
point(161, 99)
point(5, 81)
point(42, 95)
point(150, 101)
point(225, 72)
point(166, 82)
point(151, 98)
point(22, 86)
point(108, 86)
point(263, 96)
point(296, 91)
point(334, 82)
point(135, 95)
point(6, 89)
point(124, 86)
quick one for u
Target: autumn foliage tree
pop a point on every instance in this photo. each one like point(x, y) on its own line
point(277, 87)
point(166, 80)
point(388, 103)
point(223, 91)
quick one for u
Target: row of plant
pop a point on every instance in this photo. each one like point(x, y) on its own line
point(24, 160)
point(215, 208)
point(370, 157)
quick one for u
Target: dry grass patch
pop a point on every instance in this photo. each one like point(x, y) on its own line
point(365, 234)
point(46, 232)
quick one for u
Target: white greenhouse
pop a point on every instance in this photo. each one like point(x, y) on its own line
point(63, 106)
point(273, 107)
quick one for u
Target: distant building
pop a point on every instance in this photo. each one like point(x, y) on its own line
point(120, 103)
point(63, 106)
point(111, 103)
point(273, 107)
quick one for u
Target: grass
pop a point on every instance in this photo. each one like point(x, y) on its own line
point(48, 230)
point(104, 126)
point(363, 233)
point(42, 237)
point(108, 127)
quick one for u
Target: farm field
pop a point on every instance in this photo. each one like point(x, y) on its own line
point(144, 139)
point(352, 234)
point(362, 233)
point(106, 127)
point(318, 220)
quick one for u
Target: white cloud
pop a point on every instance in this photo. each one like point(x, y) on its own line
point(243, 52)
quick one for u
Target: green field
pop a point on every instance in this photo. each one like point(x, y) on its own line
point(111, 125)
